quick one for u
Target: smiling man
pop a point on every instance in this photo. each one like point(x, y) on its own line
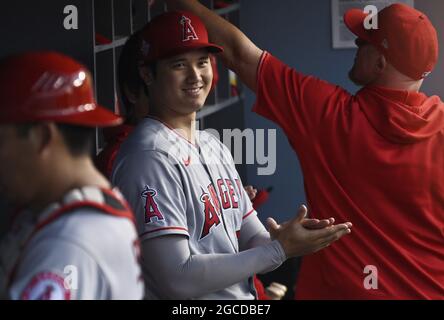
point(201, 238)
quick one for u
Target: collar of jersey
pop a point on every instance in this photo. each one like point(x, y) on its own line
point(174, 130)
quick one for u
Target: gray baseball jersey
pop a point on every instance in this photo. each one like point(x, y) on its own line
point(83, 247)
point(176, 187)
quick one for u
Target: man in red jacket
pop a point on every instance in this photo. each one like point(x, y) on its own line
point(375, 158)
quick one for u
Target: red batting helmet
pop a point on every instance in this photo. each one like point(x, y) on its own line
point(49, 86)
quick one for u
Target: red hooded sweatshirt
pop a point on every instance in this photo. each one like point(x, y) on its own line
point(375, 159)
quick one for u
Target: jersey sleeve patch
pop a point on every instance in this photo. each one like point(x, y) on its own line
point(46, 286)
point(152, 212)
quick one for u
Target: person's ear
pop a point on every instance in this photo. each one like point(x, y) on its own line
point(381, 64)
point(41, 137)
point(146, 74)
point(129, 94)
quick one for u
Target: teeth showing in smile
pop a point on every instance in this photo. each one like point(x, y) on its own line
point(192, 90)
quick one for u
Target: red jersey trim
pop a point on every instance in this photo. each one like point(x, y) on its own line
point(166, 228)
point(249, 213)
point(83, 204)
point(120, 213)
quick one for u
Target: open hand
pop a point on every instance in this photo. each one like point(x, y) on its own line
point(276, 291)
point(300, 236)
point(251, 192)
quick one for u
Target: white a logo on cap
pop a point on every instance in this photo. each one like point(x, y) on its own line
point(188, 32)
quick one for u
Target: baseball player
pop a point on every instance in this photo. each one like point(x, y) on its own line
point(201, 238)
point(73, 237)
point(135, 104)
point(375, 158)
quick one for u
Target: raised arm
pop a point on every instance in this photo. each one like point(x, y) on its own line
point(240, 54)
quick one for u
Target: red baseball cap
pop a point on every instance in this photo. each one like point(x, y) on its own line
point(174, 33)
point(49, 86)
point(405, 36)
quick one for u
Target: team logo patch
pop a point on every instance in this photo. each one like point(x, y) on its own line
point(188, 32)
point(151, 207)
point(210, 213)
point(46, 286)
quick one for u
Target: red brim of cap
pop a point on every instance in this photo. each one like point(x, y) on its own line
point(97, 117)
point(212, 48)
point(354, 20)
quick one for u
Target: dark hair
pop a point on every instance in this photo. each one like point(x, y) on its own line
point(78, 139)
point(129, 76)
point(128, 72)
